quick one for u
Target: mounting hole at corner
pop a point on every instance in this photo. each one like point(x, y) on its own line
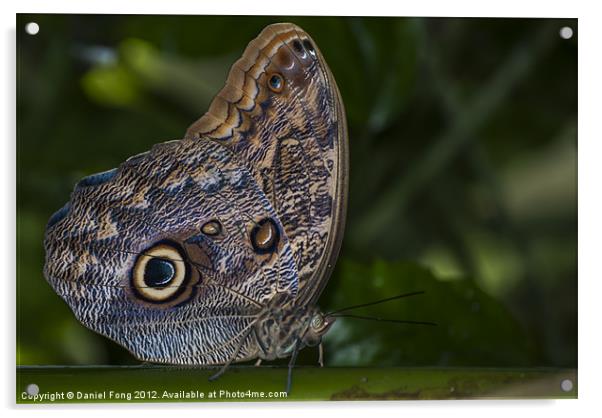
point(566, 32)
point(32, 389)
point(32, 28)
point(566, 385)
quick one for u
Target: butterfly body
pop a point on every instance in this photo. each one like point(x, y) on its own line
point(214, 248)
point(281, 329)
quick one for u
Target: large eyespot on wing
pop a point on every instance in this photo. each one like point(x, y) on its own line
point(161, 273)
point(281, 112)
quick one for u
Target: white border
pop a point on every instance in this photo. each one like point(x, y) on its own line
point(590, 210)
point(461, 8)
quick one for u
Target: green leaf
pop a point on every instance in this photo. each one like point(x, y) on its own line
point(113, 85)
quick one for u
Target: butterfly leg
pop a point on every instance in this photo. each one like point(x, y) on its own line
point(223, 369)
point(258, 362)
point(321, 354)
point(291, 364)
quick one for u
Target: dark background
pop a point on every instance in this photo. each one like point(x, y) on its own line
point(463, 172)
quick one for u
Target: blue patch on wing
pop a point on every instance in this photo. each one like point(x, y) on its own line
point(96, 179)
point(59, 215)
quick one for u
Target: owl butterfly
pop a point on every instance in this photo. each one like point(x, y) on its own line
point(214, 249)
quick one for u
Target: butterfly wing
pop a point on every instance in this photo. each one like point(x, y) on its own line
point(163, 254)
point(282, 113)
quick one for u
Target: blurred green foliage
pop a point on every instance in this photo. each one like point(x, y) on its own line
point(463, 172)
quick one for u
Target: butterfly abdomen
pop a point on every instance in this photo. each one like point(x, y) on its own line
point(279, 330)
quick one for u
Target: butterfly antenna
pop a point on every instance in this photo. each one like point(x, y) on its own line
point(377, 302)
point(375, 318)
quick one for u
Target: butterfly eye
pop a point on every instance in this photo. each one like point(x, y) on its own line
point(276, 83)
point(317, 322)
point(160, 273)
point(265, 236)
point(212, 228)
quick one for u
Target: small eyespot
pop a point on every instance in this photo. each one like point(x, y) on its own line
point(308, 45)
point(212, 228)
point(299, 50)
point(298, 47)
point(265, 236)
point(160, 273)
point(276, 83)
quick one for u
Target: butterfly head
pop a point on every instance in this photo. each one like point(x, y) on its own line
point(318, 326)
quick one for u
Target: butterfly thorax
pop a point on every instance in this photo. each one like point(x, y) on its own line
point(282, 329)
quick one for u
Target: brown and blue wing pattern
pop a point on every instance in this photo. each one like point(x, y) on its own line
point(293, 139)
point(168, 194)
point(214, 248)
